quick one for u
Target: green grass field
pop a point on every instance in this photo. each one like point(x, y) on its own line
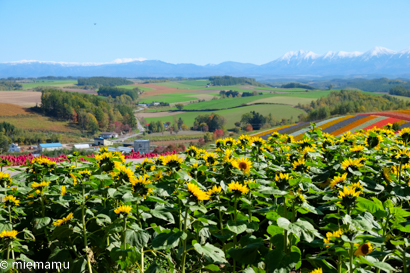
point(132, 87)
point(60, 84)
point(234, 115)
point(177, 97)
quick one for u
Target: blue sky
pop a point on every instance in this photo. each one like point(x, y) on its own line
point(194, 31)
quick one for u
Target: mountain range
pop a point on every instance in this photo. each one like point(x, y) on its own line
point(377, 61)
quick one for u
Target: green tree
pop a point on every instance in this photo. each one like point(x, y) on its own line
point(179, 106)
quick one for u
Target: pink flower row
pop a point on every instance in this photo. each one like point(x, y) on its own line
point(22, 159)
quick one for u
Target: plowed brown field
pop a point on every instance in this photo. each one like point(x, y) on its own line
point(22, 98)
point(8, 109)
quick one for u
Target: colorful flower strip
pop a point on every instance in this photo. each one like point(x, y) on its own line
point(299, 134)
point(285, 130)
point(341, 124)
point(368, 123)
point(381, 123)
point(390, 115)
point(405, 125)
point(352, 125)
point(266, 134)
point(293, 129)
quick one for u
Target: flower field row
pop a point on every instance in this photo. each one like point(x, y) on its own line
point(19, 160)
point(339, 125)
point(322, 204)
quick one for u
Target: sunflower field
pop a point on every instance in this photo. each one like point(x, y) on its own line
point(320, 204)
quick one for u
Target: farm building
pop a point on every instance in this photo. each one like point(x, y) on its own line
point(81, 146)
point(14, 147)
point(108, 135)
point(141, 146)
point(50, 146)
point(101, 141)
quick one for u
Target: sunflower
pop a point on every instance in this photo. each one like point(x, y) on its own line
point(157, 176)
point(173, 162)
point(123, 209)
point(286, 138)
point(244, 139)
point(43, 161)
point(374, 141)
point(283, 176)
point(257, 142)
point(363, 250)
point(63, 190)
point(229, 142)
point(349, 192)
point(40, 185)
point(194, 170)
point(215, 190)
point(8, 234)
point(338, 179)
point(403, 156)
point(300, 165)
point(148, 165)
point(210, 158)
point(60, 222)
point(197, 192)
point(238, 188)
point(10, 200)
point(357, 148)
point(139, 186)
point(191, 151)
point(159, 160)
point(228, 155)
point(244, 164)
point(338, 233)
point(122, 173)
point(355, 163)
point(5, 177)
point(317, 270)
point(74, 179)
point(405, 134)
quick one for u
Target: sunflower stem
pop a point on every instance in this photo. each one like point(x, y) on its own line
point(351, 258)
point(234, 237)
point(404, 260)
point(90, 270)
point(184, 242)
point(124, 229)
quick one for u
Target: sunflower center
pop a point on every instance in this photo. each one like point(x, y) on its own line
point(243, 165)
point(365, 249)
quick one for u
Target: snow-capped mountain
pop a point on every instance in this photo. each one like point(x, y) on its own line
point(377, 61)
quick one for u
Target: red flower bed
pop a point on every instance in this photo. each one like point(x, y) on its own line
point(22, 159)
point(390, 115)
point(382, 123)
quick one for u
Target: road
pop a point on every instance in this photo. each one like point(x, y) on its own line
point(127, 136)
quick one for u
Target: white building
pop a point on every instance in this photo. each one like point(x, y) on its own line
point(14, 147)
point(102, 141)
point(50, 146)
point(108, 135)
point(81, 146)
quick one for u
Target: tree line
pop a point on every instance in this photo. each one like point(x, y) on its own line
point(116, 92)
point(89, 111)
point(234, 94)
point(228, 80)
point(103, 81)
point(400, 91)
point(350, 102)
point(10, 85)
point(297, 85)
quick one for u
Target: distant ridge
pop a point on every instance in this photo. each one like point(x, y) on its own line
point(378, 60)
